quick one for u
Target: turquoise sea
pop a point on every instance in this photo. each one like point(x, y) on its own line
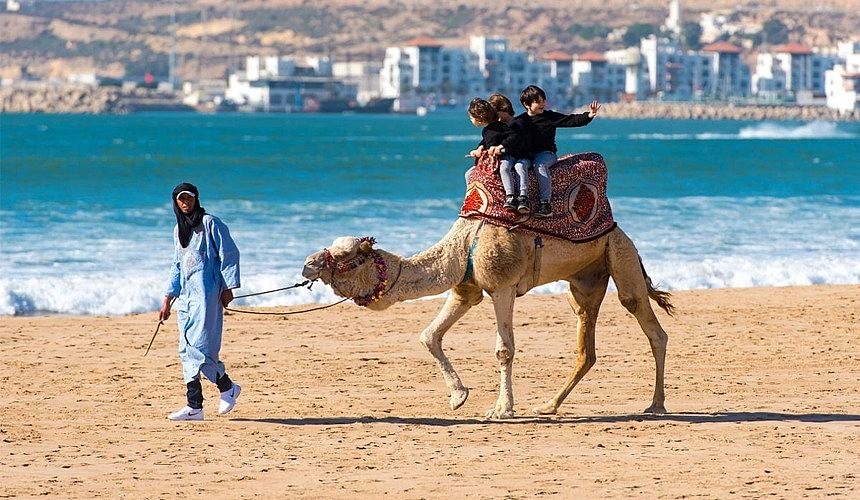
point(86, 221)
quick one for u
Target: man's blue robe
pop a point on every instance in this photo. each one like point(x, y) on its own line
point(200, 272)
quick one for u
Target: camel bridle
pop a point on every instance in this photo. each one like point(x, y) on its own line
point(381, 287)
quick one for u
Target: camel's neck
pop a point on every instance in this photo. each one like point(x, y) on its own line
point(433, 271)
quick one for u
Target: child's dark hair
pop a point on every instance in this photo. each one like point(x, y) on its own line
point(501, 103)
point(481, 111)
point(531, 94)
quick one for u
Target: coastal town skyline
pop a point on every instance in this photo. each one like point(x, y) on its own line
point(44, 40)
point(723, 57)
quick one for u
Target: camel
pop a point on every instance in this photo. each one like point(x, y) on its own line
point(475, 257)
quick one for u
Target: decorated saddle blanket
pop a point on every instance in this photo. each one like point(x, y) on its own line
point(581, 210)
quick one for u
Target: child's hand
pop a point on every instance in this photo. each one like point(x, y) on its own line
point(496, 150)
point(594, 107)
point(476, 153)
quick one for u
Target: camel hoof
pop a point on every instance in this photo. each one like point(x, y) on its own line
point(458, 397)
point(546, 409)
point(501, 415)
point(656, 409)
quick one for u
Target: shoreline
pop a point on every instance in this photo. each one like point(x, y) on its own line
point(101, 100)
point(272, 311)
point(762, 389)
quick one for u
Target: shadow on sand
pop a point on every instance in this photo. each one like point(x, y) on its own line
point(690, 418)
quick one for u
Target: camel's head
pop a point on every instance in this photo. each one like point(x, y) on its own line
point(344, 254)
point(352, 267)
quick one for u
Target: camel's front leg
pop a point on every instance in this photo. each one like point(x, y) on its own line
point(503, 303)
point(455, 307)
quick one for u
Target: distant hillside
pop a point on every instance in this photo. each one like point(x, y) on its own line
point(131, 37)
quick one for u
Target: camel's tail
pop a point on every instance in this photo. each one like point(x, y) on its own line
point(661, 297)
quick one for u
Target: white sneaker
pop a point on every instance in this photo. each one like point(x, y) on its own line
point(228, 399)
point(187, 413)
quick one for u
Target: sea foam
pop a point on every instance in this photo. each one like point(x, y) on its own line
point(685, 243)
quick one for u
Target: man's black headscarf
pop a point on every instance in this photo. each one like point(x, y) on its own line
point(187, 222)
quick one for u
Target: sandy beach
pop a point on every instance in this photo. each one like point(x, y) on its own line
point(762, 389)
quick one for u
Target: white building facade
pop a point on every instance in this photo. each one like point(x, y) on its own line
point(714, 73)
point(288, 85)
point(504, 70)
point(731, 77)
point(791, 71)
point(594, 77)
point(842, 82)
point(424, 72)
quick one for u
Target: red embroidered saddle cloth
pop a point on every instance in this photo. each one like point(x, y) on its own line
point(581, 210)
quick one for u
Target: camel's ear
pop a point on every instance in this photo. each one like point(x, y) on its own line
point(365, 247)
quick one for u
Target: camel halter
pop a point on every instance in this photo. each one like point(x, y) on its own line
point(344, 267)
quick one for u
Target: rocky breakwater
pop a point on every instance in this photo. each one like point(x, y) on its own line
point(77, 99)
point(60, 99)
point(716, 111)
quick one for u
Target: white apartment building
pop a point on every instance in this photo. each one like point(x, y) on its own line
point(631, 59)
point(731, 77)
point(790, 70)
point(288, 85)
point(715, 72)
point(425, 67)
point(672, 74)
point(842, 82)
point(496, 62)
point(262, 67)
point(555, 77)
point(364, 75)
point(594, 77)
point(508, 71)
point(657, 55)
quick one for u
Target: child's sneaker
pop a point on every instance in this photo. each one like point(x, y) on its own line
point(523, 207)
point(510, 202)
point(544, 209)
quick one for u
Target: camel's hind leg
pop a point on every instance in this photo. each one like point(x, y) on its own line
point(585, 296)
point(457, 304)
point(628, 274)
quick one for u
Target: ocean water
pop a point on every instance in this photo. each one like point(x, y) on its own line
point(86, 221)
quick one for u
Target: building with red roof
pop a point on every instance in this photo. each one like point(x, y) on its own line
point(792, 48)
point(591, 56)
point(722, 48)
point(557, 56)
point(596, 78)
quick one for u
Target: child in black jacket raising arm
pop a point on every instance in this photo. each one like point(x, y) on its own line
point(541, 124)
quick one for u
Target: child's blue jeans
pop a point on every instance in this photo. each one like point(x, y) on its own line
point(543, 161)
